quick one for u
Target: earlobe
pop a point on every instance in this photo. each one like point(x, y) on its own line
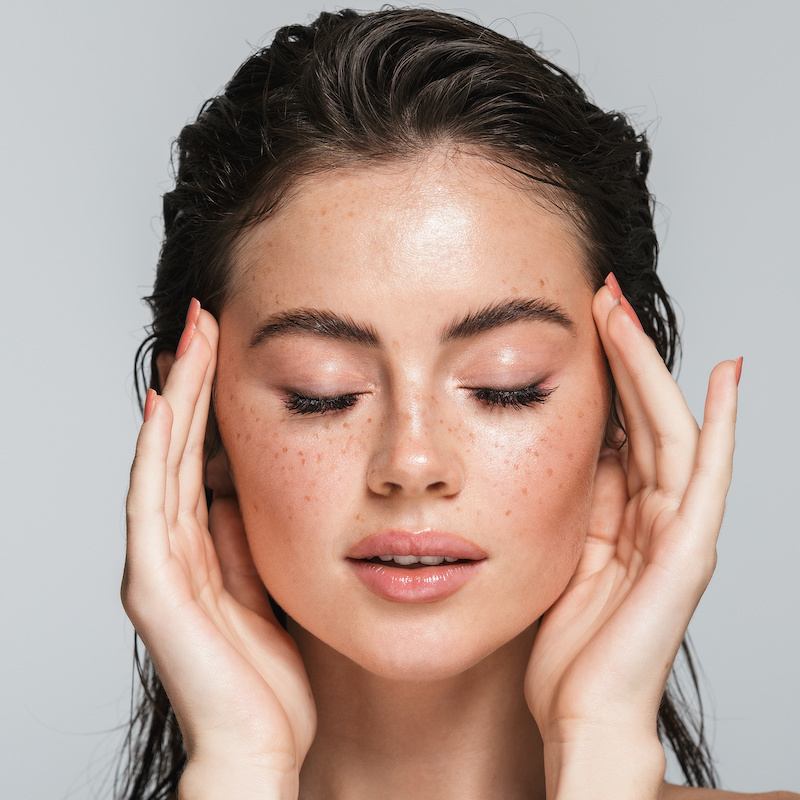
point(164, 361)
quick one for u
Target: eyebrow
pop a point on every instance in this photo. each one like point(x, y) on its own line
point(504, 313)
point(318, 322)
point(329, 325)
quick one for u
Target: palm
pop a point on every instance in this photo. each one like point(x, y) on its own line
point(607, 645)
point(233, 675)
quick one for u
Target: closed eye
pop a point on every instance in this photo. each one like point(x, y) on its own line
point(512, 398)
point(301, 404)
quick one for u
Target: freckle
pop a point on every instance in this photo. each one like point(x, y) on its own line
point(231, 396)
point(319, 457)
point(302, 461)
point(345, 424)
point(560, 486)
point(508, 513)
point(277, 455)
point(307, 499)
point(536, 453)
point(238, 435)
point(549, 471)
point(358, 517)
point(369, 419)
point(514, 290)
point(258, 419)
point(524, 491)
point(569, 456)
point(248, 437)
point(541, 281)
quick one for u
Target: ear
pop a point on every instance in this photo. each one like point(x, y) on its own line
point(217, 475)
point(164, 362)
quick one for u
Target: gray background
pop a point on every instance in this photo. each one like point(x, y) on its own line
point(93, 92)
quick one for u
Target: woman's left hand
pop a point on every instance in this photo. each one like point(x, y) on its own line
point(604, 650)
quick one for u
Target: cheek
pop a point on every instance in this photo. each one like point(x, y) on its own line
point(542, 481)
point(289, 476)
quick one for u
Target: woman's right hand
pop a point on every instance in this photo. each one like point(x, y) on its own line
point(233, 675)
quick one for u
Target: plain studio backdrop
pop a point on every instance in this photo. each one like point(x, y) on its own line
point(93, 94)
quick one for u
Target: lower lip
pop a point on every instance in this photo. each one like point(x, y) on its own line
point(419, 585)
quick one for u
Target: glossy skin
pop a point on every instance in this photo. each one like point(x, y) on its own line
point(614, 552)
point(407, 252)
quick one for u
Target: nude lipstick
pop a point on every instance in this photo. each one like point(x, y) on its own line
point(415, 566)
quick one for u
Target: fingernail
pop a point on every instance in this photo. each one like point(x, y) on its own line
point(739, 363)
point(612, 284)
point(608, 452)
point(192, 315)
point(631, 313)
point(149, 404)
point(619, 298)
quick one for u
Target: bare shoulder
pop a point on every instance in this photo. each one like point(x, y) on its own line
point(671, 792)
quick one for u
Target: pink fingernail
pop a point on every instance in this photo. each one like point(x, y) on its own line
point(631, 313)
point(739, 363)
point(149, 404)
point(192, 315)
point(620, 298)
point(613, 285)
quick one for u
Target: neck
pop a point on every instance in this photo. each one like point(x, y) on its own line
point(468, 736)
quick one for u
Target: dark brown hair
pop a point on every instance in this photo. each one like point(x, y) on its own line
point(390, 86)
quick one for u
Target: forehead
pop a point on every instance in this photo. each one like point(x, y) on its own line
point(448, 221)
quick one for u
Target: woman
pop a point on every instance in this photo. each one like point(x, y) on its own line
point(440, 436)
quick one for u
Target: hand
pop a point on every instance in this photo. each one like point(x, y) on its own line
point(604, 650)
point(233, 675)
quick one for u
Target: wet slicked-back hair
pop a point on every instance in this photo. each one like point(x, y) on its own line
point(351, 90)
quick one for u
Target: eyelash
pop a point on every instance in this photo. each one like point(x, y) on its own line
point(299, 404)
point(493, 398)
point(512, 398)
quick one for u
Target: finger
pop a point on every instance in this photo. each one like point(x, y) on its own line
point(704, 502)
point(182, 390)
point(240, 577)
point(641, 446)
point(192, 494)
point(609, 499)
point(673, 428)
point(147, 532)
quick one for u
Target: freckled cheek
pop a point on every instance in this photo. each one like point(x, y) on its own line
point(290, 477)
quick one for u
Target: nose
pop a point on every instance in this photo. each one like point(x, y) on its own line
point(416, 455)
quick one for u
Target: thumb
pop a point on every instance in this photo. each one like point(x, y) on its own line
point(239, 574)
point(609, 499)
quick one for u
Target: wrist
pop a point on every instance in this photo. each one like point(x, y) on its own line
point(218, 781)
point(605, 765)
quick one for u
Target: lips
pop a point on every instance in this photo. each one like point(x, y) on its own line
point(415, 567)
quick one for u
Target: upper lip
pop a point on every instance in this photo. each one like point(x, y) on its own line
point(426, 542)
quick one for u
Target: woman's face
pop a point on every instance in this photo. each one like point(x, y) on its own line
point(408, 366)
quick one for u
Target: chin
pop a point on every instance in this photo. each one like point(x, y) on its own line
point(411, 650)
